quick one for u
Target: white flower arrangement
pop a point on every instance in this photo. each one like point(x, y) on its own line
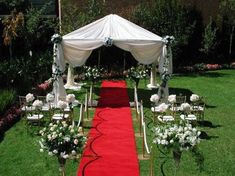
point(37, 104)
point(29, 97)
point(92, 74)
point(154, 98)
point(70, 98)
point(172, 99)
point(178, 137)
point(185, 107)
point(138, 72)
point(56, 38)
point(194, 98)
point(62, 140)
point(169, 39)
point(163, 107)
point(50, 97)
point(62, 104)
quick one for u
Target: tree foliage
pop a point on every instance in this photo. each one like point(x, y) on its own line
point(209, 38)
point(170, 17)
point(74, 17)
point(227, 10)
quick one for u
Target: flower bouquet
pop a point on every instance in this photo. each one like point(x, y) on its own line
point(177, 138)
point(92, 75)
point(56, 38)
point(63, 141)
point(137, 73)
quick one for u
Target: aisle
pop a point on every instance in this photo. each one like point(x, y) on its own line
point(111, 150)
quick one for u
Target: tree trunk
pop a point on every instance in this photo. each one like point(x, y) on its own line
point(231, 41)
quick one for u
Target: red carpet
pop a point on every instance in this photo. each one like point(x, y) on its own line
point(111, 149)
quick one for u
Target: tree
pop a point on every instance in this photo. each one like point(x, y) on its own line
point(209, 39)
point(227, 8)
point(12, 25)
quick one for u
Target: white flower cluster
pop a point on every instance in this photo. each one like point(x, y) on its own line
point(56, 38)
point(62, 104)
point(154, 98)
point(172, 99)
point(92, 73)
point(37, 104)
point(29, 97)
point(169, 39)
point(50, 98)
point(70, 98)
point(62, 140)
point(185, 107)
point(160, 108)
point(194, 98)
point(182, 137)
point(138, 72)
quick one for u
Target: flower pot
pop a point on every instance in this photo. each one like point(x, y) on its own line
point(62, 162)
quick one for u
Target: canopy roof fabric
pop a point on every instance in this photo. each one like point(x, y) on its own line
point(145, 46)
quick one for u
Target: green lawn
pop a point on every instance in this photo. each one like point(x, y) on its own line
point(20, 156)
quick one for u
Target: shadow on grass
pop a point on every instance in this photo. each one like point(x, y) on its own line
point(204, 135)
point(206, 123)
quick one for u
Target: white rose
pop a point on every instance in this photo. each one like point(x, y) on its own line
point(55, 151)
point(75, 141)
point(172, 98)
point(154, 98)
point(163, 107)
point(37, 104)
point(74, 152)
point(50, 97)
point(185, 107)
point(194, 98)
point(29, 97)
point(70, 98)
point(62, 104)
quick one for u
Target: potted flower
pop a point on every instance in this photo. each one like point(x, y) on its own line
point(63, 141)
point(178, 138)
point(92, 75)
point(29, 99)
point(137, 73)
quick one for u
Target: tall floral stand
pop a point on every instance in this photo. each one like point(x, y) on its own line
point(62, 162)
point(176, 156)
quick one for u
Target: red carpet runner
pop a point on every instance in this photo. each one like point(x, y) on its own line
point(111, 150)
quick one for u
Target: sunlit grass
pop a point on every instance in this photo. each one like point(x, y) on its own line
point(19, 150)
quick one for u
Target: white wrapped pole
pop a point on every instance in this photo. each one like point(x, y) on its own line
point(153, 84)
point(70, 77)
point(58, 68)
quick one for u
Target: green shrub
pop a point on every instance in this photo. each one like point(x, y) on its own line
point(7, 98)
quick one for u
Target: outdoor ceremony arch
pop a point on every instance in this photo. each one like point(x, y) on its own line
point(75, 47)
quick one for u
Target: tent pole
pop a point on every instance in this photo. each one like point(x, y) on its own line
point(153, 74)
point(60, 17)
point(70, 76)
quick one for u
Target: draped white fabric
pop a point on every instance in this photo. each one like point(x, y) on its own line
point(58, 65)
point(145, 46)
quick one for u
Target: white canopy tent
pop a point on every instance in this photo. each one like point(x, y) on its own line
point(75, 48)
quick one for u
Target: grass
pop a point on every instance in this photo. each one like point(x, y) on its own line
point(19, 150)
point(7, 97)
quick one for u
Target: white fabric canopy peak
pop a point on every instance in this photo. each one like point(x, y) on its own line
point(145, 46)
